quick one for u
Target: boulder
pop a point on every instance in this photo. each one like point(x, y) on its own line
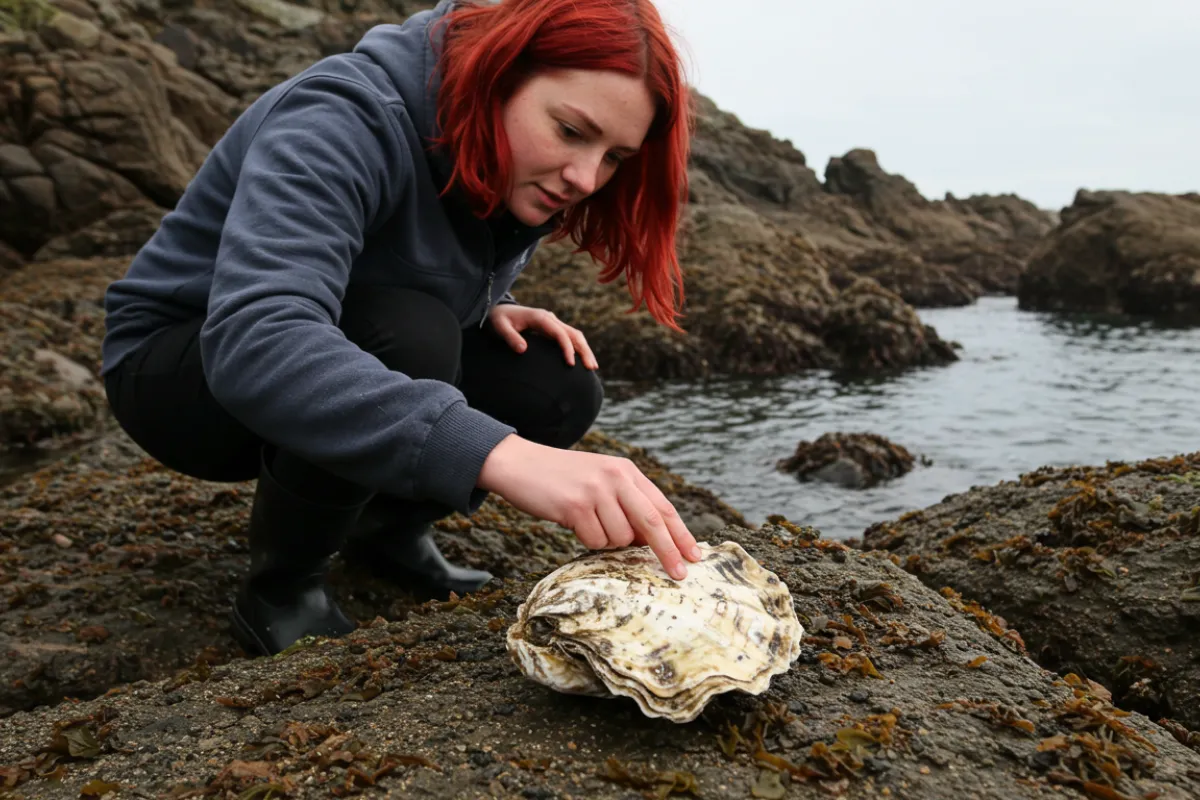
point(894, 203)
point(1097, 566)
point(1132, 253)
point(995, 268)
point(46, 396)
point(852, 460)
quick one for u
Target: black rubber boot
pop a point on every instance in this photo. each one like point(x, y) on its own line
point(394, 542)
point(285, 596)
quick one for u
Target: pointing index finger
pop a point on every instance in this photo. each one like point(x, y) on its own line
point(646, 520)
point(680, 535)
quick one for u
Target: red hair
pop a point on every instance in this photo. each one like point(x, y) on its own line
point(629, 225)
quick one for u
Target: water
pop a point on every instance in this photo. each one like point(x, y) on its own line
point(1030, 389)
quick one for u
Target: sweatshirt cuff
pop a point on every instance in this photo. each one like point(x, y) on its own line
point(454, 454)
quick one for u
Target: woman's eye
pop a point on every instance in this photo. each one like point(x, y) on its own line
point(614, 159)
point(568, 131)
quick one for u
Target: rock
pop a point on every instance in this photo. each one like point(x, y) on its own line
point(1023, 222)
point(872, 330)
point(1098, 567)
point(894, 202)
point(10, 259)
point(121, 232)
point(996, 269)
point(288, 16)
point(398, 702)
point(51, 326)
point(42, 399)
point(860, 206)
point(919, 283)
point(759, 302)
point(852, 460)
point(749, 162)
point(98, 131)
point(67, 31)
point(1120, 253)
point(72, 373)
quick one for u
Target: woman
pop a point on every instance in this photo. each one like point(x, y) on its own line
point(326, 309)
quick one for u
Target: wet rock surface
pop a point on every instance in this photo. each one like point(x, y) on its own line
point(920, 283)
point(853, 460)
point(759, 302)
point(117, 569)
point(1098, 567)
point(1121, 253)
point(899, 692)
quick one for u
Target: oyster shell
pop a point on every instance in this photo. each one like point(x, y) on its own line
point(613, 623)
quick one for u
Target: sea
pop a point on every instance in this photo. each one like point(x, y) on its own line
point(1030, 389)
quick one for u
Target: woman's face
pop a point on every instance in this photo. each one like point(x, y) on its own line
point(568, 131)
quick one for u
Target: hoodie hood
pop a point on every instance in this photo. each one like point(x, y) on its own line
point(408, 54)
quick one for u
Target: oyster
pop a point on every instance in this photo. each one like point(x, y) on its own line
point(613, 623)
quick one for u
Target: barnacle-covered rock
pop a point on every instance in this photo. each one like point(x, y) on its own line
point(614, 623)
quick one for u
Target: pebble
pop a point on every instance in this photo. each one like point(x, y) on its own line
point(60, 540)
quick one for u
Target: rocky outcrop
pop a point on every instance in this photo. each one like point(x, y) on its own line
point(96, 132)
point(852, 460)
point(898, 691)
point(1023, 223)
point(759, 302)
point(1120, 253)
point(860, 205)
point(873, 330)
point(995, 269)
point(918, 282)
point(1098, 567)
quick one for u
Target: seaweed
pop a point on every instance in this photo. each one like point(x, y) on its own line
point(655, 785)
point(987, 621)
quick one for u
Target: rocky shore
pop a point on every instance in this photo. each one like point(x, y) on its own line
point(119, 677)
point(900, 691)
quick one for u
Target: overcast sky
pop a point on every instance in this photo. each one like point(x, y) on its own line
point(967, 96)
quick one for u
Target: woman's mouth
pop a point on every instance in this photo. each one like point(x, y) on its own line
point(551, 200)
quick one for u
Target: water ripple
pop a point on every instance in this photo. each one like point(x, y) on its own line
point(1031, 389)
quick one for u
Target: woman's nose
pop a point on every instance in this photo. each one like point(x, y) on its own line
point(583, 174)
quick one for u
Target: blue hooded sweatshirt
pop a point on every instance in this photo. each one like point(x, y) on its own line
point(326, 181)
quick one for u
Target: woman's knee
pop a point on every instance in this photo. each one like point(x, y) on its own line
point(408, 331)
point(580, 399)
point(537, 392)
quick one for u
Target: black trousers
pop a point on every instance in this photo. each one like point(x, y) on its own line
point(160, 397)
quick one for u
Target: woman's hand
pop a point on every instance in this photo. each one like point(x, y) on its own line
point(605, 500)
point(509, 320)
